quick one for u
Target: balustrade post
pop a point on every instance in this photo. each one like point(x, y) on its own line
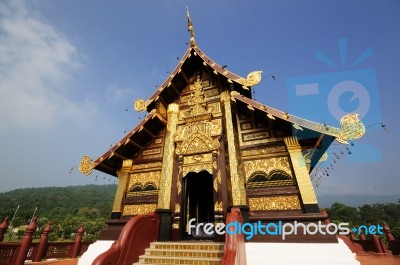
point(352, 236)
point(42, 247)
point(78, 242)
point(377, 244)
point(388, 233)
point(3, 228)
point(26, 242)
point(362, 236)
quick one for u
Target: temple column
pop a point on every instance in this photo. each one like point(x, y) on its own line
point(236, 173)
point(164, 194)
point(302, 176)
point(123, 178)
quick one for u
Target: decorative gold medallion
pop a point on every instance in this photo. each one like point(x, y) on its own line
point(86, 165)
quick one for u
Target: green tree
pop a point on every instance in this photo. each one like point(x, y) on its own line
point(339, 212)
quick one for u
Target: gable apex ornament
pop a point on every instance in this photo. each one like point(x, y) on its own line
point(252, 79)
point(190, 28)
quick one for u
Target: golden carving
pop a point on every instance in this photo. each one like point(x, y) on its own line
point(351, 128)
point(121, 189)
point(141, 193)
point(138, 209)
point(151, 151)
point(235, 170)
point(252, 79)
point(196, 168)
point(177, 207)
point(179, 187)
point(196, 100)
point(217, 180)
point(267, 165)
point(198, 137)
point(255, 136)
point(146, 166)
point(140, 104)
point(86, 165)
point(144, 178)
point(190, 29)
point(218, 206)
point(164, 195)
point(160, 108)
point(290, 202)
point(197, 158)
point(264, 151)
point(324, 157)
point(126, 164)
point(175, 225)
point(300, 169)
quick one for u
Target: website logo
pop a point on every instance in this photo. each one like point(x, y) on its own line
point(327, 97)
point(277, 229)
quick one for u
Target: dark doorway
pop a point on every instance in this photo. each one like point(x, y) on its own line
point(197, 202)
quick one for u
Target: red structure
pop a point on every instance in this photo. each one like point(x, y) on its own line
point(135, 237)
point(41, 249)
point(3, 228)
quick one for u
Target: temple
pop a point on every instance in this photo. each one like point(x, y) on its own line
point(206, 146)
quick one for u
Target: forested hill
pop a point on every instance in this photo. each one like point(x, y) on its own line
point(56, 202)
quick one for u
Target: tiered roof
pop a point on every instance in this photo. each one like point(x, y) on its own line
point(110, 162)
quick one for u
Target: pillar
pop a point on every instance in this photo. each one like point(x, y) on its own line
point(25, 243)
point(78, 242)
point(123, 178)
point(301, 172)
point(236, 173)
point(164, 193)
point(3, 228)
point(43, 243)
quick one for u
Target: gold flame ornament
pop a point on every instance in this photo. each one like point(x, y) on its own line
point(86, 165)
point(351, 128)
point(252, 79)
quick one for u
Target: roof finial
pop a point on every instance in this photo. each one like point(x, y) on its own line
point(190, 28)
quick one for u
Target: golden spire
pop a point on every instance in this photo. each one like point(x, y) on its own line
point(190, 28)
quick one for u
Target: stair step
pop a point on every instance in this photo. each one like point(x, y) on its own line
point(195, 253)
point(144, 259)
point(183, 253)
point(188, 245)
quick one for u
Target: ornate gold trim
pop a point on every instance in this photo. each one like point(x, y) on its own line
point(144, 178)
point(267, 165)
point(235, 170)
point(290, 202)
point(121, 189)
point(196, 168)
point(300, 169)
point(252, 79)
point(164, 195)
point(86, 165)
point(138, 209)
point(146, 166)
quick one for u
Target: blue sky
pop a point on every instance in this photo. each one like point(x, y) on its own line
point(70, 69)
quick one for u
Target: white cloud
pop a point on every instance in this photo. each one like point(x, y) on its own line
point(36, 60)
point(115, 92)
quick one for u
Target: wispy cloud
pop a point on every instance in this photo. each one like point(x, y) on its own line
point(115, 92)
point(36, 61)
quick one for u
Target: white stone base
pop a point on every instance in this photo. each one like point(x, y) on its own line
point(299, 254)
point(94, 250)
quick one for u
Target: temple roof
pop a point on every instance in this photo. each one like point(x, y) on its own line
point(171, 84)
point(128, 146)
point(350, 127)
point(111, 161)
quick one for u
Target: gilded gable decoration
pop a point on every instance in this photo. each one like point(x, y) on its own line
point(198, 137)
point(86, 165)
point(267, 166)
point(198, 107)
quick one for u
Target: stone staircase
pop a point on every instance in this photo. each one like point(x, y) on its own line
point(190, 253)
